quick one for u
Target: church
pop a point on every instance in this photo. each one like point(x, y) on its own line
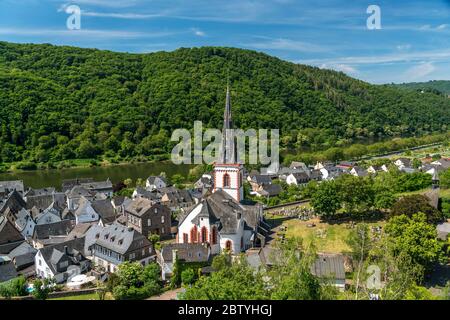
point(222, 219)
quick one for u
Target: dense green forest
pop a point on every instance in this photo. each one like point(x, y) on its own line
point(61, 103)
point(441, 86)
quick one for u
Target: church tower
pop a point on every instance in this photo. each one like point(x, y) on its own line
point(228, 173)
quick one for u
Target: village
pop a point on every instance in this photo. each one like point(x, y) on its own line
point(79, 234)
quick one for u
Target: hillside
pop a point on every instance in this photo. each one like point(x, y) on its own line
point(442, 86)
point(62, 103)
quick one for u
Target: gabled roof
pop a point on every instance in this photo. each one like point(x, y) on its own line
point(223, 210)
point(261, 179)
point(7, 269)
point(14, 201)
point(152, 179)
point(8, 186)
point(60, 228)
point(329, 265)
point(117, 238)
point(97, 185)
point(188, 252)
point(79, 191)
point(105, 210)
point(71, 250)
point(271, 190)
point(8, 233)
point(39, 192)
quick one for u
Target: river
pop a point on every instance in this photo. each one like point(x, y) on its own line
point(53, 178)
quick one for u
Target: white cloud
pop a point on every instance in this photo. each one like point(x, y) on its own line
point(430, 56)
point(86, 33)
point(340, 67)
point(403, 47)
point(120, 15)
point(286, 44)
point(419, 71)
point(198, 32)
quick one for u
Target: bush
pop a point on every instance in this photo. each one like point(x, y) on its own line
point(14, 288)
point(26, 166)
point(188, 276)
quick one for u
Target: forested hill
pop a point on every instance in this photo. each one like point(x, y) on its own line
point(62, 102)
point(442, 86)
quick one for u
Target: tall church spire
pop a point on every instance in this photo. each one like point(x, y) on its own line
point(227, 150)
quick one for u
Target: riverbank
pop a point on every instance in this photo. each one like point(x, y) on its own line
point(115, 172)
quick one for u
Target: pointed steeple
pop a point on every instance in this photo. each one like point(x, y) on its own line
point(227, 149)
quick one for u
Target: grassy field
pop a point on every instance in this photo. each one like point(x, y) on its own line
point(328, 238)
point(89, 296)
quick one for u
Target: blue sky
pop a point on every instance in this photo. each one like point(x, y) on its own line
point(412, 45)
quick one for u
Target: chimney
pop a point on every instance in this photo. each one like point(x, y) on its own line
point(66, 250)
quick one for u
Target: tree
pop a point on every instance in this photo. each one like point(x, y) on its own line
point(416, 238)
point(360, 243)
point(42, 288)
point(410, 205)
point(384, 200)
point(188, 276)
point(136, 282)
point(326, 201)
point(221, 262)
point(356, 193)
point(444, 179)
point(237, 282)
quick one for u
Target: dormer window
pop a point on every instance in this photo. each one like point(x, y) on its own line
point(106, 236)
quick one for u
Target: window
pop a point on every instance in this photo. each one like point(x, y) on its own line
point(149, 222)
point(162, 230)
point(162, 219)
point(226, 180)
point(40, 262)
point(132, 256)
point(204, 234)
point(185, 238)
point(194, 234)
point(228, 245)
point(214, 235)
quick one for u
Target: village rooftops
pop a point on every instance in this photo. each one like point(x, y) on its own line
point(8, 186)
point(116, 237)
point(69, 184)
point(139, 206)
point(46, 231)
point(39, 192)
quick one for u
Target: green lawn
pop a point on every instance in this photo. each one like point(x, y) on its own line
point(88, 296)
point(328, 238)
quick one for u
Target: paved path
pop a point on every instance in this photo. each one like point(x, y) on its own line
point(168, 295)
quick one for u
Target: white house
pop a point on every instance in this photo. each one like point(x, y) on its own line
point(298, 178)
point(156, 182)
point(50, 215)
point(25, 223)
point(62, 261)
point(85, 212)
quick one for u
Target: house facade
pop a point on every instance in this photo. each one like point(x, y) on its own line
point(149, 218)
point(114, 244)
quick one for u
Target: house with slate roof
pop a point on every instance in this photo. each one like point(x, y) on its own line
point(114, 244)
point(62, 261)
point(149, 218)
